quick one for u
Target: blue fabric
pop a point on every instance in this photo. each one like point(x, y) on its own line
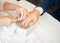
point(47, 4)
point(56, 14)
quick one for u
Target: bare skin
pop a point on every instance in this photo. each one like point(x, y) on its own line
point(21, 14)
point(7, 20)
point(10, 6)
point(27, 18)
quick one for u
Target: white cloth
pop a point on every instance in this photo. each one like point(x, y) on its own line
point(14, 34)
point(40, 9)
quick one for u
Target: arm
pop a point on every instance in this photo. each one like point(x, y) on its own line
point(7, 20)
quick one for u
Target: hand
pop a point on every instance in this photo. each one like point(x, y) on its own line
point(7, 20)
point(31, 19)
point(10, 6)
point(21, 11)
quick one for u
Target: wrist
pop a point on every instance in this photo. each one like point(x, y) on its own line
point(36, 12)
point(40, 9)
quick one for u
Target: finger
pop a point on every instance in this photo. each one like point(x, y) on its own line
point(25, 15)
point(18, 16)
point(24, 21)
point(18, 12)
point(32, 22)
point(28, 22)
point(22, 14)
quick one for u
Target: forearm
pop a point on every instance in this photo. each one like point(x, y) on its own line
point(7, 20)
point(4, 21)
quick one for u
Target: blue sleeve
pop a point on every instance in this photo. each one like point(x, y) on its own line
point(47, 4)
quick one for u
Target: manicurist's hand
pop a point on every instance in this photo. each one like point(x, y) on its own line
point(32, 18)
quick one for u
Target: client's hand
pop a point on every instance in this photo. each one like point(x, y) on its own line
point(21, 11)
point(10, 6)
point(7, 20)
